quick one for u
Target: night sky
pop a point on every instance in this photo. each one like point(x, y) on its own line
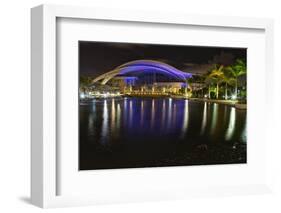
point(96, 58)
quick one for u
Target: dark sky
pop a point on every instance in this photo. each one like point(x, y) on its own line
point(96, 58)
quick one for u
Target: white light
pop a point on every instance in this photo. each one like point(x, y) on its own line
point(82, 95)
point(233, 97)
point(231, 124)
point(205, 96)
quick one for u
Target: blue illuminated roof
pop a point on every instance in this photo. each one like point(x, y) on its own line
point(144, 66)
point(152, 66)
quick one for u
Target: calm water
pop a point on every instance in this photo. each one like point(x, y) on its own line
point(145, 132)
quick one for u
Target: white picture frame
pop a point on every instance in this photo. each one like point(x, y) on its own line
point(44, 155)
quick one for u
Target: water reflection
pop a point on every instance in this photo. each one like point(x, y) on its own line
point(169, 113)
point(114, 130)
point(204, 119)
point(131, 113)
point(112, 118)
point(214, 118)
point(118, 119)
point(104, 130)
point(174, 115)
point(163, 115)
point(113, 114)
point(125, 110)
point(94, 106)
point(152, 114)
point(185, 119)
point(225, 114)
point(231, 124)
point(244, 132)
point(142, 112)
point(91, 124)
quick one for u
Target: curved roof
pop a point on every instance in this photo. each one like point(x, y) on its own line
point(143, 66)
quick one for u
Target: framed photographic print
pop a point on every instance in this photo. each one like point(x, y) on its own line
point(149, 106)
point(137, 110)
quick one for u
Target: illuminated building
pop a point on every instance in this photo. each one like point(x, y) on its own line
point(145, 77)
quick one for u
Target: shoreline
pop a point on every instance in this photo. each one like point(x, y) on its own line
point(225, 102)
point(232, 103)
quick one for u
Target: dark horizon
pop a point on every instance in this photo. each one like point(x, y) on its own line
point(96, 58)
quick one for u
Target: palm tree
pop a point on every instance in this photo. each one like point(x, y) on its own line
point(209, 82)
point(216, 76)
point(228, 80)
point(237, 70)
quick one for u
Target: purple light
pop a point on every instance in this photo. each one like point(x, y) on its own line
point(130, 80)
point(183, 84)
point(141, 66)
point(152, 66)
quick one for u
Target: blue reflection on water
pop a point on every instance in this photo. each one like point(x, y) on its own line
point(137, 132)
point(131, 113)
point(113, 120)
